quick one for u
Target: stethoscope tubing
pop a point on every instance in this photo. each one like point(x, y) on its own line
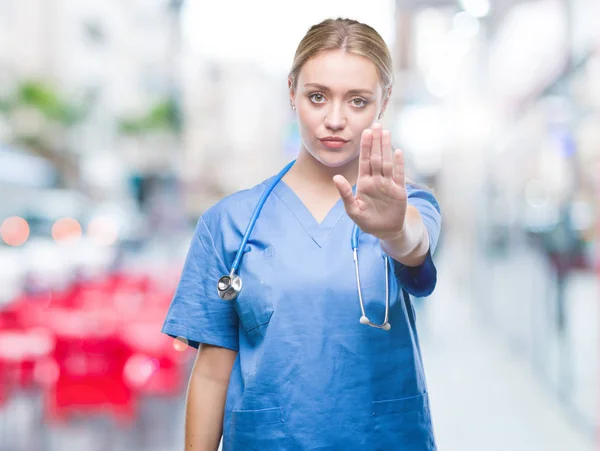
point(234, 282)
point(255, 214)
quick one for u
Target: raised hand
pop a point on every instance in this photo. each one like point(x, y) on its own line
point(379, 206)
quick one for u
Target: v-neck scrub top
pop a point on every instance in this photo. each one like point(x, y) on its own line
point(308, 375)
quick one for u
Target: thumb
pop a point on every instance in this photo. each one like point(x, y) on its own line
point(345, 190)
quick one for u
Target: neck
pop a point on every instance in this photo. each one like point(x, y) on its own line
point(315, 173)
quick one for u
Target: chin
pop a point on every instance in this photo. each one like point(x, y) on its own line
point(334, 159)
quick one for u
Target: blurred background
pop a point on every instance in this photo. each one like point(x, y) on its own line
point(122, 121)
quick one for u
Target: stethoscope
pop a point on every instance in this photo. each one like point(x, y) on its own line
point(230, 285)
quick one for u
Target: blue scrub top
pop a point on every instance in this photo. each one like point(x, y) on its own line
point(308, 375)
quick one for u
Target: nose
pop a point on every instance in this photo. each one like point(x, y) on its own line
point(336, 117)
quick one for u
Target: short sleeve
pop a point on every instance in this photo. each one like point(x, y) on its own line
point(420, 281)
point(196, 312)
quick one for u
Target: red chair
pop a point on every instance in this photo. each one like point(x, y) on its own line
point(90, 359)
point(93, 347)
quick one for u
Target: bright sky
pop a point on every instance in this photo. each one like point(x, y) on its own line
point(268, 31)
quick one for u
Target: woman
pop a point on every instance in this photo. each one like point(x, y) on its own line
point(292, 363)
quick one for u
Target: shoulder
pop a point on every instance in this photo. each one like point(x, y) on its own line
point(235, 208)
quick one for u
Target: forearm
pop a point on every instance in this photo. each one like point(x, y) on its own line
point(411, 244)
point(205, 406)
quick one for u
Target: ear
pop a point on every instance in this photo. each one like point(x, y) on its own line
point(291, 90)
point(386, 98)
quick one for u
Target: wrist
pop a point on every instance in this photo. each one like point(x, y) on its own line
point(410, 243)
point(399, 246)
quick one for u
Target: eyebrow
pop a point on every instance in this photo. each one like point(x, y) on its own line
point(325, 88)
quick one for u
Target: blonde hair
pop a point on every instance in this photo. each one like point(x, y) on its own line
point(348, 35)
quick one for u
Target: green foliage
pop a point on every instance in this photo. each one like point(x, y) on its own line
point(45, 99)
point(163, 116)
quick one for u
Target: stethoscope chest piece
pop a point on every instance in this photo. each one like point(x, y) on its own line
point(229, 287)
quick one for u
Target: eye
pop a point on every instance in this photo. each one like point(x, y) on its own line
point(317, 97)
point(359, 102)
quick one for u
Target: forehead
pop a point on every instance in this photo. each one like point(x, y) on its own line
point(340, 71)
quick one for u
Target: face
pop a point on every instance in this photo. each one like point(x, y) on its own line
point(337, 96)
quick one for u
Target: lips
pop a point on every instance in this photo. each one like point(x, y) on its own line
point(333, 142)
point(334, 138)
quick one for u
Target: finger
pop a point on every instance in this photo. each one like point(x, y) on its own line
point(345, 190)
point(387, 163)
point(364, 165)
point(376, 150)
point(399, 176)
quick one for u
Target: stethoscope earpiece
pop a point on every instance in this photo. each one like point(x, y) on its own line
point(366, 321)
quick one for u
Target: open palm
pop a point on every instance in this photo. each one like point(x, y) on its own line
point(379, 206)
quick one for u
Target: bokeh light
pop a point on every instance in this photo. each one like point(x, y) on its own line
point(14, 231)
point(66, 229)
point(138, 369)
point(103, 231)
point(180, 344)
point(46, 372)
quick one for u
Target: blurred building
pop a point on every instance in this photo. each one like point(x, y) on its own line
point(236, 124)
point(498, 106)
point(115, 59)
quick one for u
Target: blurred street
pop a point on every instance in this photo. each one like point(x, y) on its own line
point(484, 391)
